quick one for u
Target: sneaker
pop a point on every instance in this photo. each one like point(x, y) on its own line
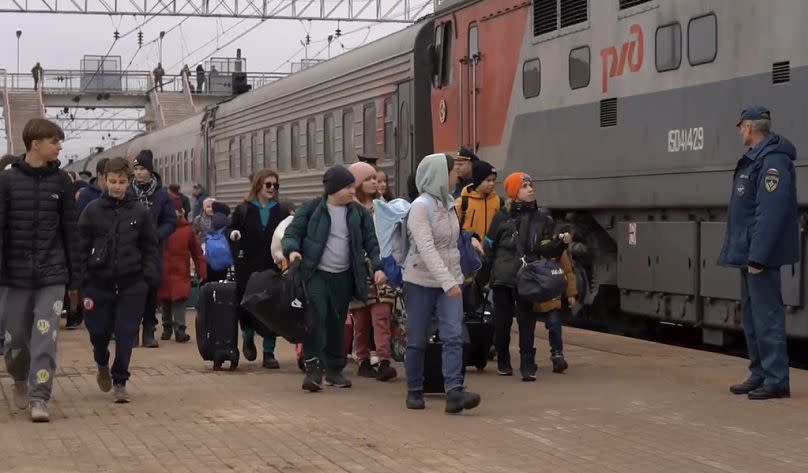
point(504, 368)
point(180, 336)
point(39, 411)
point(415, 400)
point(166, 333)
point(386, 372)
point(249, 350)
point(314, 376)
point(21, 395)
point(337, 380)
point(148, 338)
point(559, 363)
point(459, 399)
point(366, 370)
point(746, 387)
point(270, 362)
point(104, 379)
point(120, 395)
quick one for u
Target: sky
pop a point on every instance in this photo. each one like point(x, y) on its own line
point(60, 42)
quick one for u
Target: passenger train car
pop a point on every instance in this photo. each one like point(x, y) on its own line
point(622, 111)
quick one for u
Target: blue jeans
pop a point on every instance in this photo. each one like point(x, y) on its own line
point(422, 304)
point(764, 327)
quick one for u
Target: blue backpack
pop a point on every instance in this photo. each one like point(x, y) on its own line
point(217, 251)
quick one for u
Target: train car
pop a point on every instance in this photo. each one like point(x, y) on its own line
point(624, 113)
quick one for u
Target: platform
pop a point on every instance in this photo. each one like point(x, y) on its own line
point(624, 406)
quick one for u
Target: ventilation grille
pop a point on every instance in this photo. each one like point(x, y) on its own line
point(624, 4)
point(781, 72)
point(573, 12)
point(608, 112)
point(545, 16)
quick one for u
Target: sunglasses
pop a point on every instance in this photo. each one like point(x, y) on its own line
point(270, 185)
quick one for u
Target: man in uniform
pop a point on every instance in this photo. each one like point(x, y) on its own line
point(763, 235)
point(463, 161)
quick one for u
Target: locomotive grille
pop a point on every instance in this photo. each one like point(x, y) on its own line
point(625, 4)
point(545, 16)
point(781, 72)
point(608, 112)
point(573, 12)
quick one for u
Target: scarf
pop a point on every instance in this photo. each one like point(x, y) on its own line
point(263, 210)
point(144, 191)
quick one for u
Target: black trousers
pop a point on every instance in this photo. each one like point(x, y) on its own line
point(506, 306)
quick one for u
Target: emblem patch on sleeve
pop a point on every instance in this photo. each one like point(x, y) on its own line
point(772, 180)
point(88, 304)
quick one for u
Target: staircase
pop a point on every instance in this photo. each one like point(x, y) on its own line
point(22, 106)
point(175, 107)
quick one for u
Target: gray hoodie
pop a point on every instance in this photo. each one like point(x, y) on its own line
point(433, 259)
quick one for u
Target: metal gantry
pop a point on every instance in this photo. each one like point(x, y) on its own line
point(100, 124)
point(379, 11)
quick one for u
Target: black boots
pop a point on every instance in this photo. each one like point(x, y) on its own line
point(366, 370)
point(270, 362)
point(459, 399)
point(769, 392)
point(559, 363)
point(386, 372)
point(167, 332)
point(148, 338)
point(746, 387)
point(179, 335)
point(415, 400)
point(313, 381)
point(249, 350)
point(337, 379)
point(527, 365)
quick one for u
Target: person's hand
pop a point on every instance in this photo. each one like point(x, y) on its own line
point(566, 237)
point(235, 235)
point(753, 270)
point(478, 247)
point(571, 301)
point(455, 291)
point(379, 278)
point(294, 257)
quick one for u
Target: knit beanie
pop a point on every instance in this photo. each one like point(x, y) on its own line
point(513, 183)
point(145, 159)
point(480, 171)
point(220, 208)
point(361, 171)
point(337, 178)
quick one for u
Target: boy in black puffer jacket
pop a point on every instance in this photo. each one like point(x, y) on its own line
point(119, 247)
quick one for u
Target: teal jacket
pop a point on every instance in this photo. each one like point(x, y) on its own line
point(308, 234)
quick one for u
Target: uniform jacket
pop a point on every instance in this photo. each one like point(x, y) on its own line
point(308, 234)
point(182, 246)
point(479, 213)
point(253, 251)
point(39, 238)
point(762, 222)
point(124, 230)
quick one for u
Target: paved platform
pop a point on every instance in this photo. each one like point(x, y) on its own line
point(624, 406)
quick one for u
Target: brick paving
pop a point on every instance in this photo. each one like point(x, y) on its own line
point(624, 406)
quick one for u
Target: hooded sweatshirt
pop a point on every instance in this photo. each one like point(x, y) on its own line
point(479, 210)
point(433, 259)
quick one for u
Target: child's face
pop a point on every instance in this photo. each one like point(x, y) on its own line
point(487, 186)
point(48, 148)
point(370, 186)
point(142, 174)
point(381, 182)
point(117, 182)
point(343, 196)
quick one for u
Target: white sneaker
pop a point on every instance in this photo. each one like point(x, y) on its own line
point(39, 411)
point(21, 395)
point(119, 394)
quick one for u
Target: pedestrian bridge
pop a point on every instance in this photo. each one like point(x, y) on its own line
point(175, 98)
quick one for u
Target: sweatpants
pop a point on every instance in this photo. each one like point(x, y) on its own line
point(32, 324)
point(372, 320)
point(119, 312)
point(330, 294)
point(173, 314)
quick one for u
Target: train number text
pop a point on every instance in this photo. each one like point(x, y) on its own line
point(686, 139)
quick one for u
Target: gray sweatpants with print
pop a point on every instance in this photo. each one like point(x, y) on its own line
point(32, 324)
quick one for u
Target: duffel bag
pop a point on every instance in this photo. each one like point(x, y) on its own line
point(541, 280)
point(278, 302)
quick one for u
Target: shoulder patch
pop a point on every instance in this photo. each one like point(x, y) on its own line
point(771, 182)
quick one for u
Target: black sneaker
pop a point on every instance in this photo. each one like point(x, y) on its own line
point(459, 399)
point(337, 380)
point(504, 368)
point(366, 370)
point(314, 376)
point(415, 400)
point(386, 372)
point(148, 338)
point(746, 387)
point(167, 332)
point(270, 362)
point(559, 363)
point(249, 350)
point(180, 336)
point(769, 392)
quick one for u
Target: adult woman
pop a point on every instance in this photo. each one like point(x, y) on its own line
point(202, 221)
point(252, 224)
point(432, 281)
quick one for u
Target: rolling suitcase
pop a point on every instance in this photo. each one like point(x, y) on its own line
point(217, 324)
point(433, 362)
point(480, 326)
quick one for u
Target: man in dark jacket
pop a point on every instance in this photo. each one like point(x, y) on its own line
point(186, 202)
point(119, 250)
point(148, 189)
point(94, 189)
point(39, 256)
point(763, 235)
point(200, 195)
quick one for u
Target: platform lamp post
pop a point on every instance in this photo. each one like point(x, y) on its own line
point(162, 33)
point(19, 33)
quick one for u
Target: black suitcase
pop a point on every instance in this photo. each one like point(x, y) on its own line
point(217, 324)
point(433, 362)
point(480, 326)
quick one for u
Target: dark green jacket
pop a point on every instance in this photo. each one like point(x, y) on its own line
point(308, 234)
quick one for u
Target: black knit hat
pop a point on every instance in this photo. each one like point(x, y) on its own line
point(480, 171)
point(336, 179)
point(145, 159)
point(220, 208)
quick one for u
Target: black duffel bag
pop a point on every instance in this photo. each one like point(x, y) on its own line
point(278, 302)
point(541, 280)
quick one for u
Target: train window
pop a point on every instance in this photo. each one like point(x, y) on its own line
point(369, 129)
point(294, 156)
point(256, 163)
point(531, 78)
point(231, 156)
point(579, 67)
point(702, 39)
point(243, 156)
point(474, 41)
point(282, 142)
point(403, 131)
point(192, 166)
point(311, 137)
point(443, 55)
point(668, 47)
point(267, 149)
point(625, 4)
point(186, 174)
point(389, 134)
point(348, 149)
point(328, 139)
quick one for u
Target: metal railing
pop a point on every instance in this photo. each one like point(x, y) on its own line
point(7, 114)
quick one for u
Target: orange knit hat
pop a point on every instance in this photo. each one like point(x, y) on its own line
point(513, 183)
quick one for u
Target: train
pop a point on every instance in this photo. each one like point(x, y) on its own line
point(622, 111)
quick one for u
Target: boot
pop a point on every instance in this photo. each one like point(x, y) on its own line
point(39, 411)
point(527, 366)
point(504, 368)
point(166, 332)
point(386, 372)
point(21, 395)
point(459, 399)
point(366, 370)
point(337, 379)
point(179, 335)
point(313, 381)
point(104, 379)
point(415, 400)
point(270, 362)
point(747, 386)
point(769, 392)
point(148, 338)
point(249, 350)
point(559, 363)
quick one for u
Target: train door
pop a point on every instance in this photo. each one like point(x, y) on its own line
point(403, 146)
point(469, 89)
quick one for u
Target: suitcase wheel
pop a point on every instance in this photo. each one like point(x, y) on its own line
point(217, 365)
point(481, 365)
